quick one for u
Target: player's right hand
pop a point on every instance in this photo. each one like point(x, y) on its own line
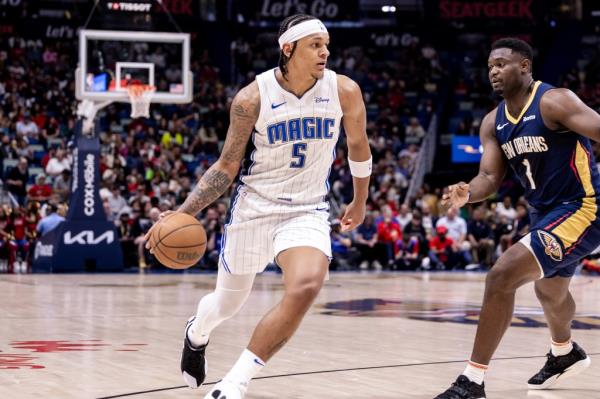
point(457, 195)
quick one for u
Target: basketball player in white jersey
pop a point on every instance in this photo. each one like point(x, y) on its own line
point(287, 122)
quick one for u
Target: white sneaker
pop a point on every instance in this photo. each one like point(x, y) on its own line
point(472, 266)
point(227, 389)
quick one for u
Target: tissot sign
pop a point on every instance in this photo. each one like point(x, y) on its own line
point(323, 9)
point(465, 9)
point(131, 7)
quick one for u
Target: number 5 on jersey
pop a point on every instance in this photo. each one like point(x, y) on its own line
point(529, 174)
point(298, 153)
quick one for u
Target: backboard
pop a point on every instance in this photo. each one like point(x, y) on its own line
point(110, 60)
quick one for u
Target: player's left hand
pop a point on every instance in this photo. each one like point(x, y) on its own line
point(354, 216)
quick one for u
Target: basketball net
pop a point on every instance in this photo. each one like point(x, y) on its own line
point(140, 97)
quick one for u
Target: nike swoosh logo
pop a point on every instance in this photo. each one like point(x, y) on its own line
point(273, 106)
point(322, 209)
point(257, 362)
point(500, 127)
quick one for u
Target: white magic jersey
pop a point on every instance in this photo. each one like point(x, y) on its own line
point(293, 145)
point(279, 204)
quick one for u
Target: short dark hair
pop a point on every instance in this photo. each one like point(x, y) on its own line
point(285, 25)
point(516, 45)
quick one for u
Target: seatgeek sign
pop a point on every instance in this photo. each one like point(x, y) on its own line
point(465, 9)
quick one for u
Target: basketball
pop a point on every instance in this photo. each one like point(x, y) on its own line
point(178, 240)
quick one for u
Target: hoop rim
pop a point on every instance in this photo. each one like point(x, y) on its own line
point(137, 90)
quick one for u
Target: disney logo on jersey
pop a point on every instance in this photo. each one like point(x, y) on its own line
point(528, 118)
point(308, 128)
point(321, 100)
point(552, 247)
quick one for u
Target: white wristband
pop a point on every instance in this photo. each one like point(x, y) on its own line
point(361, 169)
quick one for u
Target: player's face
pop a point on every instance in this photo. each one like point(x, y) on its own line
point(505, 70)
point(311, 54)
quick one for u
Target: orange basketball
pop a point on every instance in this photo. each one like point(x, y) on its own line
point(178, 240)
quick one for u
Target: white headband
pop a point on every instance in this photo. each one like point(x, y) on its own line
point(301, 30)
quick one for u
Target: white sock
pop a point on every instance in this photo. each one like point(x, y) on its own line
point(227, 299)
point(204, 323)
point(475, 372)
point(561, 349)
point(246, 368)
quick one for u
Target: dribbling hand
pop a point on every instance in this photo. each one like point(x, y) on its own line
point(457, 195)
point(149, 233)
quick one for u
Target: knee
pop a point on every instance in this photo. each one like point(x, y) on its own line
point(550, 299)
point(498, 280)
point(305, 290)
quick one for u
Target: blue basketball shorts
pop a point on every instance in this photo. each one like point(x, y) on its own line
point(561, 236)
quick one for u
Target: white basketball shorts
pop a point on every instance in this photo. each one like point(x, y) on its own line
point(259, 229)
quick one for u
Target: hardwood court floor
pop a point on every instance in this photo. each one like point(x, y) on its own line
point(378, 336)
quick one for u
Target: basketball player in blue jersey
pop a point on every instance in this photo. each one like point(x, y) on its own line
point(287, 123)
point(543, 134)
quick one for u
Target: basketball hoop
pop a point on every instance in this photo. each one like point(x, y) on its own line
point(140, 97)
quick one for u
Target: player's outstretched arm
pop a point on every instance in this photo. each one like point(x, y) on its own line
point(562, 109)
point(492, 169)
point(243, 115)
point(355, 126)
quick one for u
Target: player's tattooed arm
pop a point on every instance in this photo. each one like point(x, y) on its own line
point(243, 115)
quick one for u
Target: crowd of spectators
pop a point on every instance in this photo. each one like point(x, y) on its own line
point(423, 235)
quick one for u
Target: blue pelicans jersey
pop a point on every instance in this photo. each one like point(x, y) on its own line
point(553, 166)
point(561, 183)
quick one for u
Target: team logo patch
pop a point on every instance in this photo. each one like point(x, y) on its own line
point(552, 247)
point(444, 312)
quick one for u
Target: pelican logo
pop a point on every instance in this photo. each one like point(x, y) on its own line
point(445, 312)
point(552, 247)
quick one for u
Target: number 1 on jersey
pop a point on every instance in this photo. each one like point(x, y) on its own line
point(528, 173)
point(298, 152)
